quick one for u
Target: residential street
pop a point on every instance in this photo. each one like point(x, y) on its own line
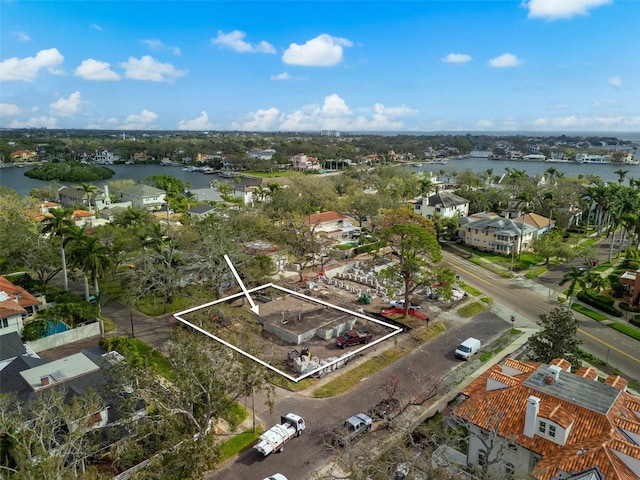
point(432, 362)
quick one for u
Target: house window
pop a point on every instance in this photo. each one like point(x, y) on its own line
point(552, 431)
point(482, 457)
point(509, 470)
point(438, 209)
point(4, 323)
point(542, 427)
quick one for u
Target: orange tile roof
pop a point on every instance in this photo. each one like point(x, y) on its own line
point(587, 372)
point(324, 217)
point(25, 299)
point(594, 437)
point(10, 308)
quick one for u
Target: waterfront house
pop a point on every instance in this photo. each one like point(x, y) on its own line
point(77, 197)
point(539, 421)
point(24, 156)
point(141, 195)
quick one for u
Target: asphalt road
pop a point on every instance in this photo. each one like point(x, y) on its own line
point(302, 456)
point(526, 300)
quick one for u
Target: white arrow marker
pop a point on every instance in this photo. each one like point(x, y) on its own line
point(254, 308)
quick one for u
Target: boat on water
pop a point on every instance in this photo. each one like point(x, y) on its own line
point(416, 165)
point(440, 161)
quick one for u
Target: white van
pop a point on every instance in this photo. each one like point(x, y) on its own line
point(467, 348)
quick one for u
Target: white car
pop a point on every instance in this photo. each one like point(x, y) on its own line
point(400, 304)
point(276, 476)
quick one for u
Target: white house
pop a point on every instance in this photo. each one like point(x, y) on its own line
point(446, 204)
point(492, 233)
point(539, 421)
point(141, 195)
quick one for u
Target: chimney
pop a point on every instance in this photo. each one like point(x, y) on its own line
point(533, 406)
point(44, 381)
point(554, 372)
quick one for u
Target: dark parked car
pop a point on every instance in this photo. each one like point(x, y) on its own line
point(353, 337)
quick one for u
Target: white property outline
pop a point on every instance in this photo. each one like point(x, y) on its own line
point(178, 316)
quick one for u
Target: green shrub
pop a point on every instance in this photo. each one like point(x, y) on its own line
point(34, 330)
point(71, 313)
point(635, 320)
point(368, 248)
point(595, 302)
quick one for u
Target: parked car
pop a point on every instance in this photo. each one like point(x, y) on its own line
point(400, 304)
point(351, 429)
point(353, 337)
point(276, 476)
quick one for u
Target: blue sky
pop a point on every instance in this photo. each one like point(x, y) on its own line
point(411, 66)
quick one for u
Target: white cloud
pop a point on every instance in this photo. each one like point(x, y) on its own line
point(21, 36)
point(9, 110)
point(260, 121)
point(148, 68)
point(561, 9)
point(199, 123)
point(334, 106)
point(615, 82)
point(457, 58)
point(485, 124)
point(67, 106)
point(505, 60)
point(27, 69)
point(157, 45)
point(322, 51)
point(97, 27)
point(39, 122)
point(333, 114)
point(143, 121)
point(91, 69)
point(235, 41)
point(281, 76)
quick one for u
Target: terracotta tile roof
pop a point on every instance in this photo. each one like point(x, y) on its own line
point(10, 308)
point(25, 299)
point(587, 372)
point(596, 419)
point(323, 217)
point(616, 381)
point(562, 363)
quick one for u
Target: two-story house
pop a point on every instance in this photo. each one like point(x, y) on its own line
point(533, 420)
point(304, 163)
point(77, 197)
point(492, 233)
point(141, 195)
point(445, 204)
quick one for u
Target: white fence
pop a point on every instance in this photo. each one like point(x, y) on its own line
point(62, 338)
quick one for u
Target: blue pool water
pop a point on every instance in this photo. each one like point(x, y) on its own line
point(53, 328)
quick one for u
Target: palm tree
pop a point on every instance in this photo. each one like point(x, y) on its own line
point(621, 174)
point(88, 190)
point(57, 225)
point(74, 238)
point(93, 258)
point(575, 277)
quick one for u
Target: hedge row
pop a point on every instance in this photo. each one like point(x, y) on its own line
point(591, 298)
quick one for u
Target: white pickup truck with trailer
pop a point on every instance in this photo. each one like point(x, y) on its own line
point(291, 425)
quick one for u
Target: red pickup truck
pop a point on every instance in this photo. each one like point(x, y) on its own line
point(352, 337)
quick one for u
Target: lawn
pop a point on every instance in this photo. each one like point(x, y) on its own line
point(471, 309)
point(599, 317)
